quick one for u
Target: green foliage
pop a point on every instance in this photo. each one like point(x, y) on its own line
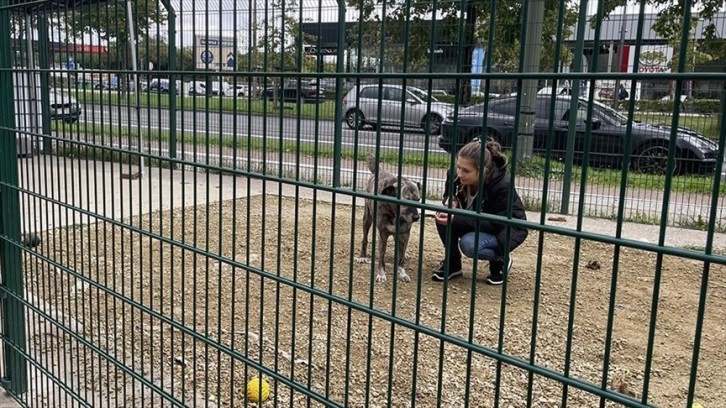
point(276, 53)
point(669, 23)
point(110, 21)
point(702, 106)
point(449, 24)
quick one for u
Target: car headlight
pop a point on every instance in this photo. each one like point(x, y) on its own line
point(701, 144)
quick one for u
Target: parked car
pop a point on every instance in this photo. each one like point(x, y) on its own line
point(238, 90)
point(361, 107)
point(329, 84)
point(648, 147)
point(289, 92)
point(162, 86)
point(64, 107)
point(200, 88)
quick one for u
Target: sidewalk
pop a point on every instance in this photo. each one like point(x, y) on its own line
point(6, 401)
point(597, 199)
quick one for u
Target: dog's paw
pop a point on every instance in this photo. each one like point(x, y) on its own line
point(381, 276)
point(402, 275)
point(362, 259)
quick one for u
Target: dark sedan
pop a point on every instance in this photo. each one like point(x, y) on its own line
point(649, 143)
point(289, 93)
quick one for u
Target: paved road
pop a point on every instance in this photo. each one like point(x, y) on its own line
point(229, 124)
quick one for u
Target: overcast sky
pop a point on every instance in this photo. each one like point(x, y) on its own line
point(219, 18)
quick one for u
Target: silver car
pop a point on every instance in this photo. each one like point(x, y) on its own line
point(361, 107)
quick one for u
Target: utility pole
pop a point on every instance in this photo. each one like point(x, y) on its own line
point(616, 91)
point(532, 51)
point(255, 82)
point(465, 95)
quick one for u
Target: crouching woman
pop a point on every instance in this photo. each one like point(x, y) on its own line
point(494, 198)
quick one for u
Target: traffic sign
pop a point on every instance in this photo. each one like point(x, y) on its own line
point(207, 57)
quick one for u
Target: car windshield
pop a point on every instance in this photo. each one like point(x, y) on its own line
point(422, 95)
point(611, 114)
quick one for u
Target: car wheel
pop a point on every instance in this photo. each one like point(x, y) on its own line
point(70, 120)
point(434, 123)
point(652, 158)
point(354, 119)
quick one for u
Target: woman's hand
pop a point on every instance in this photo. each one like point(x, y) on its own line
point(444, 218)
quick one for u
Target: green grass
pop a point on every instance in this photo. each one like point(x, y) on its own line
point(708, 125)
point(611, 177)
point(325, 110)
point(436, 160)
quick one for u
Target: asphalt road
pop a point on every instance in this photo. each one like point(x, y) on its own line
point(227, 124)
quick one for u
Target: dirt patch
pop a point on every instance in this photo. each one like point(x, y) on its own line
point(229, 319)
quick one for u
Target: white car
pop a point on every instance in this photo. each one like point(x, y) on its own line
point(421, 109)
point(64, 107)
point(200, 88)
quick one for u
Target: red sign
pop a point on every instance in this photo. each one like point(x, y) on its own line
point(652, 69)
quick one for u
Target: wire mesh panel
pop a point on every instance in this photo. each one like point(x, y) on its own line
point(195, 195)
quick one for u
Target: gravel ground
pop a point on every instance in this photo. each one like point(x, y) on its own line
point(346, 353)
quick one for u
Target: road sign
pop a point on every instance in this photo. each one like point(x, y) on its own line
point(216, 53)
point(206, 57)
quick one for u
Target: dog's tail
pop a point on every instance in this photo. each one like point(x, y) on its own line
point(371, 160)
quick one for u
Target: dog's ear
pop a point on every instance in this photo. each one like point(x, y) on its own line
point(418, 185)
point(390, 190)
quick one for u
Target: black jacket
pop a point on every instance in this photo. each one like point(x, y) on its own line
point(494, 200)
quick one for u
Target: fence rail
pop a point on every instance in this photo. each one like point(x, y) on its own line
point(183, 187)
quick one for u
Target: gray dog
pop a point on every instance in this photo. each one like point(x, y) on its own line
point(389, 214)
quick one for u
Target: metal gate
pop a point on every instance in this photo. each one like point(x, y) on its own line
point(183, 190)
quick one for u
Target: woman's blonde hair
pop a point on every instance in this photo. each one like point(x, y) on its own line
point(472, 151)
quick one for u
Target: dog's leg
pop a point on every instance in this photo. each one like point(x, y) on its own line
point(367, 223)
point(382, 243)
point(402, 246)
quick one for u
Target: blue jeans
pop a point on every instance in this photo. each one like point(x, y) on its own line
point(488, 246)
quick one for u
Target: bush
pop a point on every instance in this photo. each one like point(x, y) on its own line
point(701, 106)
point(706, 106)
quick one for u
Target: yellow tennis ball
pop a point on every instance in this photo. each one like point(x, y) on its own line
point(696, 405)
point(257, 392)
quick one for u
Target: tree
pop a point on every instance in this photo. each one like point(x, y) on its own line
point(505, 48)
point(669, 23)
point(109, 22)
point(279, 41)
point(369, 37)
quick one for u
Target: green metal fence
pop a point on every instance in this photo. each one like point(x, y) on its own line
point(182, 202)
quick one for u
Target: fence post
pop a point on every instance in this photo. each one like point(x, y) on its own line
point(172, 78)
point(11, 290)
point(339, 68)
point(575, 97)
point(531, 57)
point(44, 65)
